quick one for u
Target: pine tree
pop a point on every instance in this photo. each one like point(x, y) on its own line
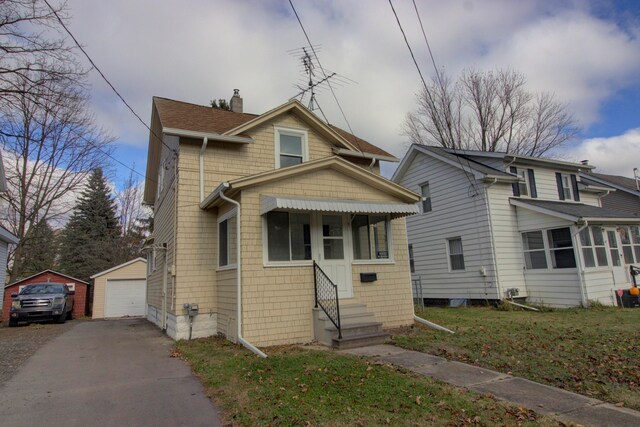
point(40, 251)
point(91, 240)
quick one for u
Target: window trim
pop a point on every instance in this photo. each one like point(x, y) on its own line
point(225, 217)
point(449, 254)
point(280, 130)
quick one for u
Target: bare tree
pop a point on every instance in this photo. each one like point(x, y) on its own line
point(32, 49)
point(489, 111)
point(133, 216)
point(50, 147)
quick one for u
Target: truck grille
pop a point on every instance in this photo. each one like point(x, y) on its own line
point(27, 303)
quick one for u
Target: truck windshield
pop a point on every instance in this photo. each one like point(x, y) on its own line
point(43, 288)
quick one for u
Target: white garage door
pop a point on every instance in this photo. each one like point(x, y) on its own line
point(125, 298)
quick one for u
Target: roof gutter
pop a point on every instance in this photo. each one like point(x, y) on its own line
point(223, 186)
point(210, 135)
point(363, 154)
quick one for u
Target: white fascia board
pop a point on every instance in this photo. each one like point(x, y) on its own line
point(557, 163)
point(617, 187)
point(544, 211)
point(363, 154)
point(210, 136)
point(613, 220)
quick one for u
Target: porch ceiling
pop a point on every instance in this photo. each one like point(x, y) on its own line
point(395, 209)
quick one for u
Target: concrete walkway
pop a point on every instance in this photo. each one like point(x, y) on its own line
point(106, 373)
point(537, 397)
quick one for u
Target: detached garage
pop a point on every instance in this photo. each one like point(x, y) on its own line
point(121, 291)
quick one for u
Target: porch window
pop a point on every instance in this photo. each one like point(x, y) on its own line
point(290, 146)
point(594, 250)
point(456, 256)
point(227, 245)
point(630, 240)
point(288, 236)
point(534, 252)
point(370, 237)
point(561, 248)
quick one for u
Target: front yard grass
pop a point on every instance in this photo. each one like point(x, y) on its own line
point(594, 352)
point(299, 386)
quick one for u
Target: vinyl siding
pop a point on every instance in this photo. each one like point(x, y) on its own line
point(599, 284)
point(455, 213)
point(554, 288)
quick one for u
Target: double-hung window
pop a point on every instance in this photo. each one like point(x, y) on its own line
point(426, 197)
point(534, 252)
point(227, 241)
point(561, 248)
point(523, 186)
point(288, 236)
point(594, 251)
point(290, 146)
point(456, 256)
point(370, 237)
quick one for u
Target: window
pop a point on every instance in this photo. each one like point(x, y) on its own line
point(227, 241)
point(561, 248)
point(370, 237)
point(412, 263)
point(534, 252)
point(151, 264)
point(566, 187)
point(426, 197)
point(456, 257)
point(288, 236)
point(630, 240)
point(594, 252)
point(291, 147)
point(161, 170)
point(523, 186)
point(613, 248)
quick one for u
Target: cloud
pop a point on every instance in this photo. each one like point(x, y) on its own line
point(616, 155)
point(198, 50)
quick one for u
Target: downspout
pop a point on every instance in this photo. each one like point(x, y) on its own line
point(241, 340)
point(492, 237)
point(506, 167)
point(373, 162)
point(583, 289)
point(205, 141)
point(164, 292)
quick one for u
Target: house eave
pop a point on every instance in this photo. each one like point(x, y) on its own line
point(209, 135)
point(365, 155)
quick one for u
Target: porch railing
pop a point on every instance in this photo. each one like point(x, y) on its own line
point(326, 295)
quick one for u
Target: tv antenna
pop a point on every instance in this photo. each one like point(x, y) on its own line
point(310, 83)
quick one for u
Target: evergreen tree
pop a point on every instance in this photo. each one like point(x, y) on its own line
point(40, 251)
point(91, 240)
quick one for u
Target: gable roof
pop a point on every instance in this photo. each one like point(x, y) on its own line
point(47, 271)
point(336, 163)
point(118, 267)
point(465, 163)
point(183, 115)
point(622, 183)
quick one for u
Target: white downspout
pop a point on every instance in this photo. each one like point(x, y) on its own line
point(492, 238)
point(241, 340)
point(205, 140)
point(373, 162)
point(164, 293)
point(583, 289)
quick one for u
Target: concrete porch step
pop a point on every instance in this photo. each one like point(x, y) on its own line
point(355, 329)
point(360, 340)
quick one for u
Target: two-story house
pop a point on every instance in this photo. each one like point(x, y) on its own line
point(497, 225)
point(258, 216)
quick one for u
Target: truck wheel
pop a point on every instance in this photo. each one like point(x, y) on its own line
point(70, 314)
point(13, 322)
point(62, 318)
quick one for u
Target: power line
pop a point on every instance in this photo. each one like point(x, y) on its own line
point(93, 64)
point(325, 75)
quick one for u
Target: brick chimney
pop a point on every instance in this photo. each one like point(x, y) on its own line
point(236, 102)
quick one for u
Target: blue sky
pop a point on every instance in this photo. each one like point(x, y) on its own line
point(585, 52)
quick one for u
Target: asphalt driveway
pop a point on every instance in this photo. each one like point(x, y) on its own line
point(106, 373)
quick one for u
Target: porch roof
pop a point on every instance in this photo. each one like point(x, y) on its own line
point(577, 212)
point(395, 209)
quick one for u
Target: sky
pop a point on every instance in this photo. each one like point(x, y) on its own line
point(587, 53)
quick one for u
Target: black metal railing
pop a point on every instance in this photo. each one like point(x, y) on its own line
point(326, 294)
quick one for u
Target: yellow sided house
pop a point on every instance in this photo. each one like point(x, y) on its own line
point(272, 229)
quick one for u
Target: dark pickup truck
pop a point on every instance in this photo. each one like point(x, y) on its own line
point(41, 301)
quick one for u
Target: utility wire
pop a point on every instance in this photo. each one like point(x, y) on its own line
point(104, 77)
point(325, 76)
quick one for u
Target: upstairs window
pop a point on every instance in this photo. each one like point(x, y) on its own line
point(370, 237)
point(426, 197)
point(523, 185)
point(526, 186)
point(161, 170)
point(291, 147)
point(456, 256)
point(567, 187)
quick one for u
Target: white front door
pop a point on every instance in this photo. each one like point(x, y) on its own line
point(332, 250)
point(620, 278)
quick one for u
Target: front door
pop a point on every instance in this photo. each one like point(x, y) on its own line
point(617, 265)
point(332, 251)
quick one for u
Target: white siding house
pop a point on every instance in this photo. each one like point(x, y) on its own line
point(495, 225)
